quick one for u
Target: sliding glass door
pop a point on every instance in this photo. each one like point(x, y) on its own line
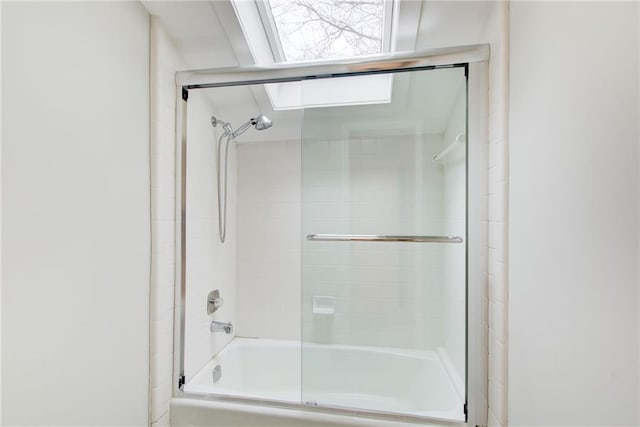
point(384, 176)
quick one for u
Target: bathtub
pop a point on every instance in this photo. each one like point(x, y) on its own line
point(408, 382)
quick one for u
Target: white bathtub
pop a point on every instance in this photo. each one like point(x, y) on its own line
point(408, 382)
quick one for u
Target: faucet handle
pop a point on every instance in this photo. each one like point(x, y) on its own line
point(214, 301)
point(217, 302)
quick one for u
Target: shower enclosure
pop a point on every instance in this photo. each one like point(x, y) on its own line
point(348, 279)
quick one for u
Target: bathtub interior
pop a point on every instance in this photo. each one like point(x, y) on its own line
point(364, 326)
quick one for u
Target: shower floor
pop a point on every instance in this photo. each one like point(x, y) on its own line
point(409, 382)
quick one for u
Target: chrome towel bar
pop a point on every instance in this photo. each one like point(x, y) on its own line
point(378, 238)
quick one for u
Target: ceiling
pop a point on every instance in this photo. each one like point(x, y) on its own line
point(207, 34)
point(201, 35)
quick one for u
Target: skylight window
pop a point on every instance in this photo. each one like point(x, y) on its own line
point(324, 29)
point(319, 30)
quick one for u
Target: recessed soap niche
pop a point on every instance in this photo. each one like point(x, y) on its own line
point(324, 304)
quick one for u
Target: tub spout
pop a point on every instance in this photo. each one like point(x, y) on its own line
point(227, 328)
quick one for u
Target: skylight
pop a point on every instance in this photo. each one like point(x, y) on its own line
point(325, 29)
point(319, 30)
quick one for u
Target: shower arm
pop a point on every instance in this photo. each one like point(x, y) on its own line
point(225, 125)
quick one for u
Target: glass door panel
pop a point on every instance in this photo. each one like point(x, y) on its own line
point(384, 237)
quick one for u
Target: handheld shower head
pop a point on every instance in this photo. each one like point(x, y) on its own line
point(261, 122)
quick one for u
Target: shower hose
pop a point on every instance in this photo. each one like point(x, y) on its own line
point(222, 207)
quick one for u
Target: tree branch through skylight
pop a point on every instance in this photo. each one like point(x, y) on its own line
point(323, 29)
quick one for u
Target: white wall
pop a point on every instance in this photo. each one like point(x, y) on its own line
point(573, 245)
point(75, 248)
point(269, 237)
point(210, 264)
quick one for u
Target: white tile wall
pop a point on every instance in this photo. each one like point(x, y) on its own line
point(497, 36)
point(378, 287)
point(478, 149)
point(164, 62)
point(269, 238)
point(210, 264)
point(386, 295)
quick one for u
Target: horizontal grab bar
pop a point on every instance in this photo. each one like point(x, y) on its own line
point(378, 238)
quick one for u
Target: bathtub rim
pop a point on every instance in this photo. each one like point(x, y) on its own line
point(301, 413)
point(319, 409)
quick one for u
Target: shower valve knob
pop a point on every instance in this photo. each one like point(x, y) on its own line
point(214, 301)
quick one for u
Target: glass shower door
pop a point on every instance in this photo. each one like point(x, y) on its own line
point(384, 238)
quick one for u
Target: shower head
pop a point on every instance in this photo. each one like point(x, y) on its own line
point(261, 122)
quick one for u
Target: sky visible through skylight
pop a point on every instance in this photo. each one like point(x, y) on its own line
point(326, 29)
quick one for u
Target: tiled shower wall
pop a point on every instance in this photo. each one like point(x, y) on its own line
point(164, 63)
point(497, 36)
point(210, 264)
point(268, 286)
point(385, 294)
